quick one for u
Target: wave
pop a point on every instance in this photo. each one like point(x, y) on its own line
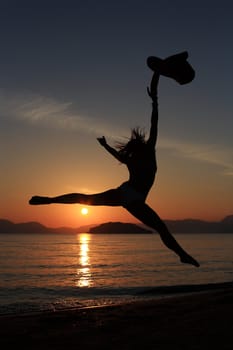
point(32, 299)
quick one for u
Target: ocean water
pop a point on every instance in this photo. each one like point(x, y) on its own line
point(53, 272)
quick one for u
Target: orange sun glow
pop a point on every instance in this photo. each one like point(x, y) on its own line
point(84, 211)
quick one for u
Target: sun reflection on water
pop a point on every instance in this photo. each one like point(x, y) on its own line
point(83, 272)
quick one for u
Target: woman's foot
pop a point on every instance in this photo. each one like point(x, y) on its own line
point(187, 259)
point(37, 200)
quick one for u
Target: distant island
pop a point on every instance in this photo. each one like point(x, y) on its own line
point(118, 227)
point(176, 226)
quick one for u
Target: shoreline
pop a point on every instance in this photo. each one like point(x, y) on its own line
point(136, 294)
point(198, 320)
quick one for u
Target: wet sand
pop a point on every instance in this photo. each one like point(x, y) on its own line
point(201, 320)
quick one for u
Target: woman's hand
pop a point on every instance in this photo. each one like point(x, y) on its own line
point(102, 141)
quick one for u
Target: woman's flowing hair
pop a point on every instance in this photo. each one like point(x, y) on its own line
point(135, 142)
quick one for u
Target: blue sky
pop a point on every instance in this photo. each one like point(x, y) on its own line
point(75, 70)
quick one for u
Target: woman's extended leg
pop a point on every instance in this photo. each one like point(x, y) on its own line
point(108, 198)
point(150, 218)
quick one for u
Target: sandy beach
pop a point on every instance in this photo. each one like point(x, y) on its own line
point(201, 320)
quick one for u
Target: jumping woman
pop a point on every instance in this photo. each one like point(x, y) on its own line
point(139, 155)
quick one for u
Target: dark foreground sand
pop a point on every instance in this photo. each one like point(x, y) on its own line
point(203, 320)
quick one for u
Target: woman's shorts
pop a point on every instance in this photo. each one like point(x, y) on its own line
point(129, 194)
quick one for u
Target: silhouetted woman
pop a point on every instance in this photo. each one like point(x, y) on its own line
point(138, 154)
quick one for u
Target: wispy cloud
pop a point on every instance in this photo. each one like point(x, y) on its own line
point(47, 112)
point(208, 153)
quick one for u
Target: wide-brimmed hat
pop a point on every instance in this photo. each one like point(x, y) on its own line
point(176, 67)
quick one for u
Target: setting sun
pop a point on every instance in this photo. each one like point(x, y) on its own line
point(84, 211)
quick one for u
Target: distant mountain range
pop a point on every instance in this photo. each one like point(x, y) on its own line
point(176, 226)
point(7, 226)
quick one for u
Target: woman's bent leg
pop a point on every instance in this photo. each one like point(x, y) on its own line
point(150, 218)
point(108, 198)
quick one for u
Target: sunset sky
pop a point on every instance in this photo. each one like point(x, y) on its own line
point(71, 71)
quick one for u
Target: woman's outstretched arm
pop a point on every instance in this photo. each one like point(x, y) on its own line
point(153, 93)
point(110, 149)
